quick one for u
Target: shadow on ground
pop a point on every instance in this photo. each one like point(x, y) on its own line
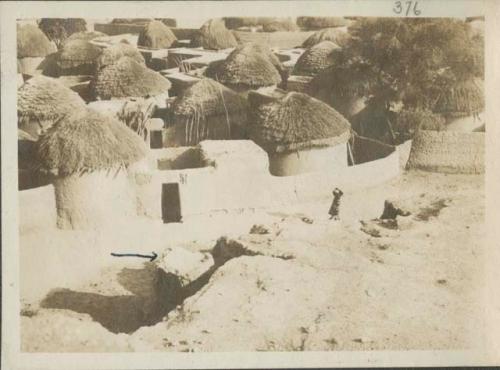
point(154, 294)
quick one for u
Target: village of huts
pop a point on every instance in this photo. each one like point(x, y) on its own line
point(251, 184)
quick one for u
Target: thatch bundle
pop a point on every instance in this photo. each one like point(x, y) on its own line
point(86, 36)
point(448, 152)
point(45, 100)
point(237, 22)
point(127, 78)
point(31, 42)
point(335, 35)
point(114, 52)
point(314, 23)
point(281, 24)
point(87, 141)
point(297, 122)
point(466, 98)
point(316, 59)
point(209, 110)
point(77, 57)
point(249, 66)
point(156, 35)
point(213, 35)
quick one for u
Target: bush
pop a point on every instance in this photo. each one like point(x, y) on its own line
point(410, 121)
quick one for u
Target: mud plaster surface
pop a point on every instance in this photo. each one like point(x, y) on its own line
point(302, 286)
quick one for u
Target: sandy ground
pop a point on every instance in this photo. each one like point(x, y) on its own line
point(307, 283)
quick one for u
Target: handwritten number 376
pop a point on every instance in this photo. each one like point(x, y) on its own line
point(406, 8)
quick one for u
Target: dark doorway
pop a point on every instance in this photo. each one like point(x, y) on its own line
point(171, 203)
point(156, 139)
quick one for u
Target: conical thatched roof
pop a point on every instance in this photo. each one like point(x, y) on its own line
point(314, 23)
point(78, 54)
point(42, 98)
point(464, 99)
point(335, 35)
point(249, 65)
point(87, 36)
point(32, 42)
point(209, 110)
point(87, 141)
point(156, 35)
point(114, 52)
point(296, 122)
point(316, 59)
point(213, 35)
point(281, 24)
point(127, 78)
point(210, 97)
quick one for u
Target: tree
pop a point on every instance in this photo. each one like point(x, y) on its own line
point(411, 60)
point(59, 29)
point(405, 61)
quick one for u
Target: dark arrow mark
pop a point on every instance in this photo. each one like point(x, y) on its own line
point(151, 258)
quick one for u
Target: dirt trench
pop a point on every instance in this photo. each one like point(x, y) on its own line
point(154, 293)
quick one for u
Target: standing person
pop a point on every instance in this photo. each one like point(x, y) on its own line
point(334, 208)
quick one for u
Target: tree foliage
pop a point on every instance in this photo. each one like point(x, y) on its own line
point(412, 60)
point(59, 29)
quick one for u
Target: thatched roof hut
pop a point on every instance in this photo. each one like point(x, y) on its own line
point(466, 98)
point(114, 52)
point(87, 141)
point(87, 36)
point(209, 110)
point(32, 42)
point(297, 122)
point(89, 156)
point(249, 66)
point(156, 35)
point(213, 35)
point(77, 57)
point(314, 23)
point(45, 100)
point(315, 59)
point(335, 35)
point(281, 24)
point(127, 78)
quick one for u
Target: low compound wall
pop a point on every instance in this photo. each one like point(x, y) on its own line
point(284, 40)
point(448, 152)
point(235, 179)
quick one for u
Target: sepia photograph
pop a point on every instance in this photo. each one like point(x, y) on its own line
point(204, 183)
